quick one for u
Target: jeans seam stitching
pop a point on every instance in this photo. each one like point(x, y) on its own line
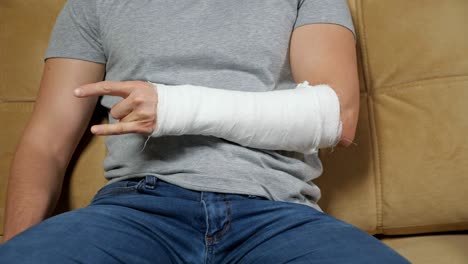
point(227, 226)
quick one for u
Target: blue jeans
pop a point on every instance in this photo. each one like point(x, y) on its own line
point(147, 220)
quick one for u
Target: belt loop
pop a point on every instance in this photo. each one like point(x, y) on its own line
point(150, 181)
point(140, 185)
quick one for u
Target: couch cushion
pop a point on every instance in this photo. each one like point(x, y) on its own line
point(15, 114)
point(25, 30)
point(423, 156)
point(432, 249)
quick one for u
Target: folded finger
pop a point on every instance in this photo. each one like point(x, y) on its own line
point(121, 109)
point(130, 118)
point(144, 126)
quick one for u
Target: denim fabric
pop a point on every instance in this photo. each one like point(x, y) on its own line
point(148, 220)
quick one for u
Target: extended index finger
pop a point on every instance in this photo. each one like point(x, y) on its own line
point(122, 89)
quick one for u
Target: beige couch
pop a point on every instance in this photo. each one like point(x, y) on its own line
point(407, 175)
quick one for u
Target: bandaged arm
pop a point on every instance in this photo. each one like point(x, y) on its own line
point(301, 119)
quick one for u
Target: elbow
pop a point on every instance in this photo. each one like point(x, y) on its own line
point(349, 120)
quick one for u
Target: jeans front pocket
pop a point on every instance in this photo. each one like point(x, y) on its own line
point(124, 186)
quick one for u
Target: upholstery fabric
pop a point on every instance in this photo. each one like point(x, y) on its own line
point(432, 249)
point(408, 172)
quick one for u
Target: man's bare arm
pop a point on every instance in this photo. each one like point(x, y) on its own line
point(326, 53)
point(49, 139)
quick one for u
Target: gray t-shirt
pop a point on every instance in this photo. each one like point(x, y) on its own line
point(238, 45)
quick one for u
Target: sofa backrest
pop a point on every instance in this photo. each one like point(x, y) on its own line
point(407, 173)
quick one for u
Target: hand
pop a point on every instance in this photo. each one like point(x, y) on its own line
point(136, 113)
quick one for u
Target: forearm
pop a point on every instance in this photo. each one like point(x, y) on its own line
point(34, 186)
point(302, 119)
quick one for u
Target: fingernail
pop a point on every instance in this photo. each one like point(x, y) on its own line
point(94, 130)
point(78, 91)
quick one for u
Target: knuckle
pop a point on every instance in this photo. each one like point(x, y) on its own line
point(140, 83)
point(138, 99)
point(106, 87)
point(142, 130)
point(139, 113)
point(151, 115)
point(150, 85)
point(135, 82)
point(137, 85)
point(147, 128)
point(144, 113)
point(119, 129)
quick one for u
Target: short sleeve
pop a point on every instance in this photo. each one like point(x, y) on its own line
point(76, 33)
point(324, 11)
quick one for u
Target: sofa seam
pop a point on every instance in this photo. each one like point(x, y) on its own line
point(377, 167)
point(384, 88)
point(402, 88)
point(364, 52)
point(430, 225)
point(371, 117)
